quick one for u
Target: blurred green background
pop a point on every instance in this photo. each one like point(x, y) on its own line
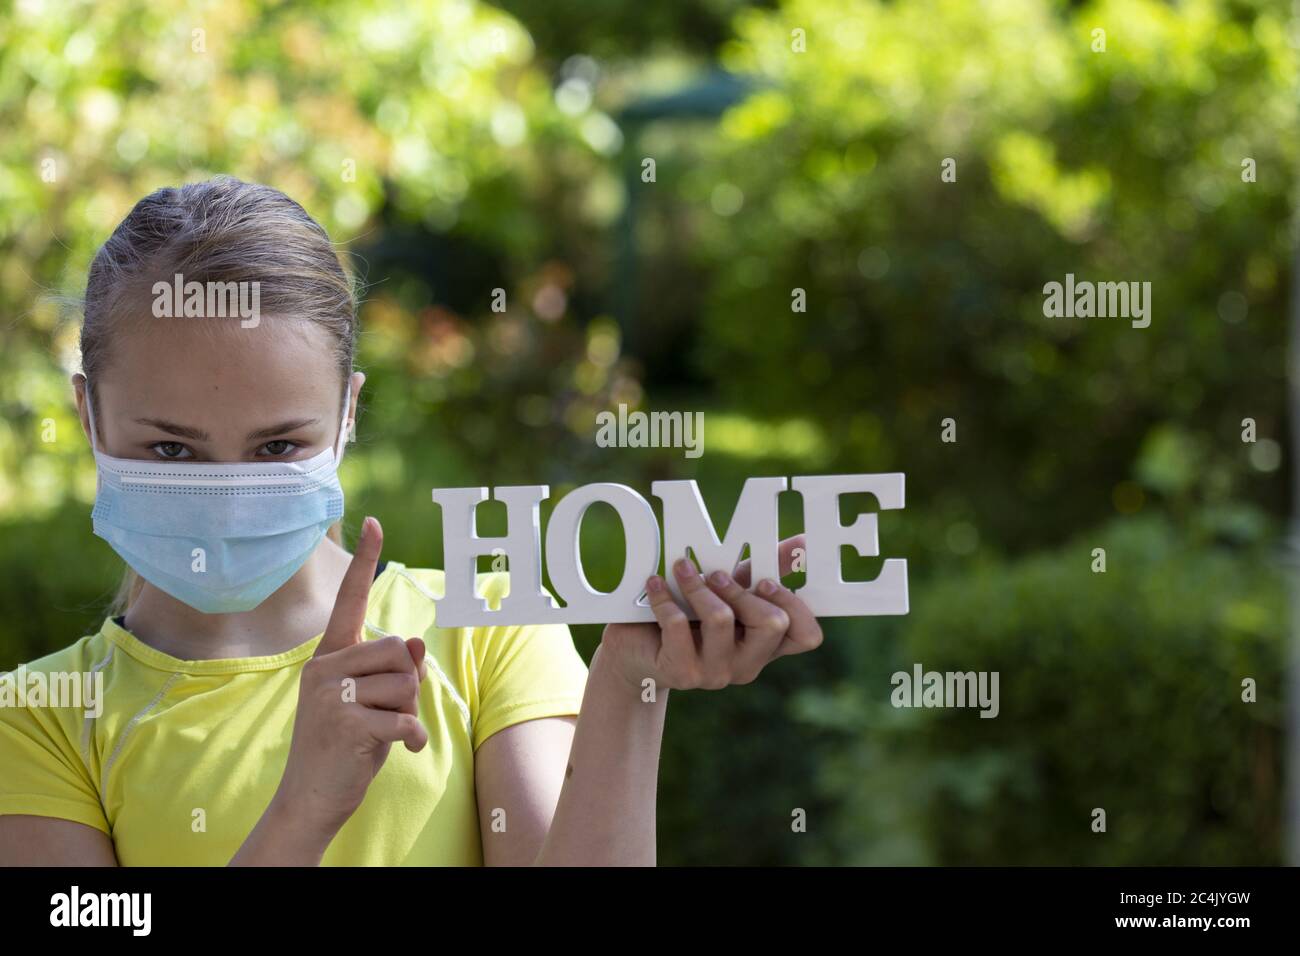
point(503, 147)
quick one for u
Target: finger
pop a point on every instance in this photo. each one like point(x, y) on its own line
point(805, 631)
point(784, 559)
point(717, 625)
point(385, 655)
point(677, 643)
point(396, 692)
point(349, 614)
point(765, 624)
point(388, 726)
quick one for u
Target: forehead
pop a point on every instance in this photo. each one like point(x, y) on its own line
point(216, 368)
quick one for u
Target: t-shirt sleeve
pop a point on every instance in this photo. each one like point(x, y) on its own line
point(42, 772)
point(525, 672)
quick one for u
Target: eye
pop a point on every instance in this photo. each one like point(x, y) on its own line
point(274, 449)
point(171, 449)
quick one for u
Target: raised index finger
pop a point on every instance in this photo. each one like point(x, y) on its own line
point(349, 614)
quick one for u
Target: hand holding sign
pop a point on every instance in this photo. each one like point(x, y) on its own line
point(738, 633)
point(804, 633)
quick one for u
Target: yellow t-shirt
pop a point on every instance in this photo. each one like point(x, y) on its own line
point(185, 755)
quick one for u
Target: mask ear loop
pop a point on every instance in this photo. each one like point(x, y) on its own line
point(94, 440)
point(343, 425)
point(90, 412)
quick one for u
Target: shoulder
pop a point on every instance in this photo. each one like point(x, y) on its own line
point(56, 683)
point(43, 701)
point(81, 655)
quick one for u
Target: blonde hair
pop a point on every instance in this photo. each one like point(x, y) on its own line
point(220, 230)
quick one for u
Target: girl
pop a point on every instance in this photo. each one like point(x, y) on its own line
point(255, 675)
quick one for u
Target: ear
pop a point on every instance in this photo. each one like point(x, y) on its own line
point(79, 386)
point(355, 382)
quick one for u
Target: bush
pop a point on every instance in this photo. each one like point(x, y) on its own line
point(1120, 690)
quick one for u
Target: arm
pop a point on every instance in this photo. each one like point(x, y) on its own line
point(518, 775)
point(49, 841)
point(605, 812)
point(281, 838)
point(575, 791)
point(277, 840)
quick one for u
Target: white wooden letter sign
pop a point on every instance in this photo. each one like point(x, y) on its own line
point(687, 525)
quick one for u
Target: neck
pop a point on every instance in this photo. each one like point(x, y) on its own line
point(291, 616)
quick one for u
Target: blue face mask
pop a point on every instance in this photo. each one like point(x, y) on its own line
point(220, 537)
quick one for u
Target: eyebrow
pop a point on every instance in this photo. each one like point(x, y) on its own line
point(197, 434)
point(282, 428)
point(172, 428)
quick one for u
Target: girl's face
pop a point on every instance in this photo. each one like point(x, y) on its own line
point(209, 390)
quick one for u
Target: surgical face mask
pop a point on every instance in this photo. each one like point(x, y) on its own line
point(220, 537)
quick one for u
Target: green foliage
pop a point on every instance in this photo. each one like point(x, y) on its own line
point(55, 582)
point(1120, 690)
point(925, 297)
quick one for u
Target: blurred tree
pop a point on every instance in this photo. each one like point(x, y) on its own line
point(925, 297)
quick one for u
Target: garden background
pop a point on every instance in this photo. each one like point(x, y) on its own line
point(455, 148)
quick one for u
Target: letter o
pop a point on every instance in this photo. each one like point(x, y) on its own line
point(564, 561)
